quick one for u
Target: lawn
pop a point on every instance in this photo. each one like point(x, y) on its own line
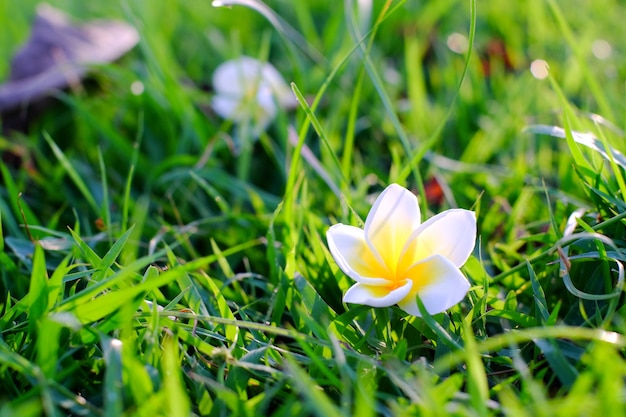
point(159, 257)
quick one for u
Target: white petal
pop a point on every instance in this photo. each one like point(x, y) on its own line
point(451, 233)
point(284, 96)
point(266, 103)
point(247, 90)
point(390, 222)
point(376, 296)
point(235, 77)
point(439, 283)
point(226, 107)
point(348, 247)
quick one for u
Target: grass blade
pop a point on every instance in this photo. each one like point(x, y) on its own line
point(73, 174)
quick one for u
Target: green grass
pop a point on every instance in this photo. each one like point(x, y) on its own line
point(147, 269)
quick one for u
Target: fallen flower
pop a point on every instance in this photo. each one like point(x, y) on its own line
point(395, 258)
point(250, 91)
point(59, 53)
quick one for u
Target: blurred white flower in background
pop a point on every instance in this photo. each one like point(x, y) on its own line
point(249, 92)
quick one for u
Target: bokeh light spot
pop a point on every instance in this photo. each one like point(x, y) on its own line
point(601, 49)
point(539, 69)
point(137, 87)
point(457, 43)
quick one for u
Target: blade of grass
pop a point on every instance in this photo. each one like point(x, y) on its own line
point(319, 404)
point(102, 265)
point(566, 373)
point(106, 205)
point(514, 337)
point(112, 388)
point(539, 297)
point(568, 117)
point(477, 377)
point(605, 108)
point(38, 291)
point(73, 174)
point(443, 335)
point(20, 210)
point(617, 174)
point(419, 154)
point(178, 404)
point(129, 180)
point(295, 160)
point(289, 34)
point(387, 104)
point(582, 138)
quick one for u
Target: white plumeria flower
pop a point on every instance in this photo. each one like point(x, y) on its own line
point(249, 91)
point(395, 258)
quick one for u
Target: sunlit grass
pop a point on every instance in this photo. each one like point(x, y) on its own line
point(142, 274)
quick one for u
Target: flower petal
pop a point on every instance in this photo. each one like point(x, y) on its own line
point(279, 87)
point(376, 296)
point(226, 107)
point(239, 76)
point(235, 77)
point(348, 247)
point(247, 92)
point(451, 233)
point(439, 283)
point(390, 222)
